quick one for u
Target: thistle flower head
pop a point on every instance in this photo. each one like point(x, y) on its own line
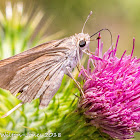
point(112, 92)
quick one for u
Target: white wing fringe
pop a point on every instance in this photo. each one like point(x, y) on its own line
point(12, 110)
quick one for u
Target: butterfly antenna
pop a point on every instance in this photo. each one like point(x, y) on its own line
point(103, 30)
point(12, 110)
point(86, 20)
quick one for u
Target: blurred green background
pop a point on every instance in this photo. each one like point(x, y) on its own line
point(36, 21)
point(121, 17)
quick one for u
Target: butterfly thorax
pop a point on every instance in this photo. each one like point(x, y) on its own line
point(75, 52)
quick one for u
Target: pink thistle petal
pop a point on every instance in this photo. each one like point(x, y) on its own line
point(133, 47)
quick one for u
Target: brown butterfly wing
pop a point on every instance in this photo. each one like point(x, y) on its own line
point(33, 72)
point(53, 83)
point(9, 66)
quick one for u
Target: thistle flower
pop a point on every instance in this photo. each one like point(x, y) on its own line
point(112, 92)
point(22, 26)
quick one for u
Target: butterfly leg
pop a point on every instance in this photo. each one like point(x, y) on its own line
point(12, 110)
point(71, 76)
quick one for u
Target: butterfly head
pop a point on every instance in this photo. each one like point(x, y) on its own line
point(83, 40)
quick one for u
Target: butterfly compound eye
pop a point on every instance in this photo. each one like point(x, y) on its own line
point(82, 43)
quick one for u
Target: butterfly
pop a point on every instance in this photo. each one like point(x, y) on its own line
point(38, 72)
